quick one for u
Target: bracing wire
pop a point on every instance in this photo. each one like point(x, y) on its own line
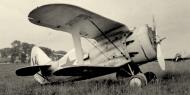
point(98, 49)
point(108, 39)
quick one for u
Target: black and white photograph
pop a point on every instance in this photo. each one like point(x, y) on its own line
point(95, 47)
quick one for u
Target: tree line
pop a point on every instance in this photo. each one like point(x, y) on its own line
point(20, 53)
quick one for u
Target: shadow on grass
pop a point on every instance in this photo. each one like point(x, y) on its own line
point(175, 75)
point(108, 82)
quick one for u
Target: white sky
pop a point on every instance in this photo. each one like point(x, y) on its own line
point(172, 18)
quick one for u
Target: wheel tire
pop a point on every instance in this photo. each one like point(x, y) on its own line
point(40, 79)
point(123, 73)
point(138, 80)
point(150, 76)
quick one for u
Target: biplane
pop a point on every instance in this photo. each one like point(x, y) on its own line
point(178, 58)
point(116, 48)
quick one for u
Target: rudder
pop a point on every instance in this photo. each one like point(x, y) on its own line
point(38, 57)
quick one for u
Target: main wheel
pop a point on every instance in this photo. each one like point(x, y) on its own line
point(40, 78)
point(125, 72)
point(150, 76)
point(138, 80)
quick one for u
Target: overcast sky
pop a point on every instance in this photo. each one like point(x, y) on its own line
point(172, 19)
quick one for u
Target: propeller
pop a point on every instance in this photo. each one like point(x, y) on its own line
point(160, 58)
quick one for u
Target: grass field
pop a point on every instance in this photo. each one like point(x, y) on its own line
point(174, 81)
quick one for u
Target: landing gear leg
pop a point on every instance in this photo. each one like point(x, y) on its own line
point(128, 71)
point(137, 78)
point(41, 79)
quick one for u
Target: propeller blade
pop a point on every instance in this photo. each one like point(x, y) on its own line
point(153, 23)
point(160, 57)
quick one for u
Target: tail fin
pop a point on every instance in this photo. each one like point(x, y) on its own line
point(38, 57)
point(40, 63)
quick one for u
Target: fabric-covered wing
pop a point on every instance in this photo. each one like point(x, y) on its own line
point(186, 58)
point(68, 18)
point(31, 70)
point(169, 59)
point(85, 71)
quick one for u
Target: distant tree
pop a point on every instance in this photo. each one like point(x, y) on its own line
point(58, 54)
point(17, 51)
point(48, 51)
point(16, 43)
point(21, 52)
point(5, 52)
point(23, 57)
point(27, 47)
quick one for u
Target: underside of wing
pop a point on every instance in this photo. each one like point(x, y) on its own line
point(169, 59)
point(186, 58)
point(30, 71)
point(85, 71)
point(69, 18)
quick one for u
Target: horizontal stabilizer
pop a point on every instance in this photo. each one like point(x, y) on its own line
point(85, 71)
point(30, 71)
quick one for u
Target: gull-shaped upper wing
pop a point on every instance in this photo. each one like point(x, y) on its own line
point(68, 18)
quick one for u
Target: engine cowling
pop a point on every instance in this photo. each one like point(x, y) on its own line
point(143, 46)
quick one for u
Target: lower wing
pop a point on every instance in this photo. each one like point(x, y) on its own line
point(186, 58)
point(31, 70)
point(169, 59)
point(85, 71)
